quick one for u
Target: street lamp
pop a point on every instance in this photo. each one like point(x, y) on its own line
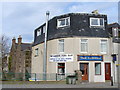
point(45, 48)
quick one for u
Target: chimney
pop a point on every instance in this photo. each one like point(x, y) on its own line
point(13, 40)
point(19, 39)
point(95, 12)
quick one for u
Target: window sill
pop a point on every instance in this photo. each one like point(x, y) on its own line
point(83, 52)
point(97, 27)
point(63, 26)
point(97, 74)
point(103, 53)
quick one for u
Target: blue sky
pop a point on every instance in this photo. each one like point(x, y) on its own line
point(22, 18)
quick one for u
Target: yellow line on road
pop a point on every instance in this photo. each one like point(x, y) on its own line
point(117, 64)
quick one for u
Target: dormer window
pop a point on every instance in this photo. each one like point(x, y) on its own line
point(63, 22)
point(39, 32)
point(99, 22)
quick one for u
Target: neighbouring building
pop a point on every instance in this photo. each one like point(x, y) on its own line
point(76, 41)
point(114, 33)
point(20, 55)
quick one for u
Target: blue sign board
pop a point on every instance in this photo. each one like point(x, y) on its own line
point(114, 58)
point(90, 58)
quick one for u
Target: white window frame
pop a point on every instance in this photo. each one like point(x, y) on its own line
point(86, 46)
point(60, 46)
point(101, 50)
point(58, 21)
point(98, 19)
point(39, 32)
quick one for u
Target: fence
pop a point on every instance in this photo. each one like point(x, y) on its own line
point(32, 76)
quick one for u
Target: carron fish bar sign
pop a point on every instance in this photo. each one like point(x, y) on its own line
point(90, 58)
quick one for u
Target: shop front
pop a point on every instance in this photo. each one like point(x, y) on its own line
point(93, 68)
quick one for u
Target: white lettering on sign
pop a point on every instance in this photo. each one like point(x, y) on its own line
point(61, 58)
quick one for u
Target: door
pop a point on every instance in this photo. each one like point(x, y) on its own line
point(84, 70)
point(107, 71)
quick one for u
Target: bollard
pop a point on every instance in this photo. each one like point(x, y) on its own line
point(111, 81)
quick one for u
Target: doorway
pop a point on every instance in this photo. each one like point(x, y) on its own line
point(84, 70)
point(107, 71)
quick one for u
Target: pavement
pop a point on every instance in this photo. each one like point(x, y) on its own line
point(62, 85)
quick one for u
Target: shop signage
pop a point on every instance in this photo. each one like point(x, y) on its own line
point(90, 58)
point(61, 58)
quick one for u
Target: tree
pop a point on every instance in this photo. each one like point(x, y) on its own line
point(4, 50)
point(4, 45)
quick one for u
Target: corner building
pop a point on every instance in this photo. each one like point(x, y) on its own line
point(76, 41)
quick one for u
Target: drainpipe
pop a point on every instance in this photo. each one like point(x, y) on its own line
point(119, 66)
point(45, 49)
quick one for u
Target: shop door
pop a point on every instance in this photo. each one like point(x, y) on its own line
point(107, 71)
point(84, 70)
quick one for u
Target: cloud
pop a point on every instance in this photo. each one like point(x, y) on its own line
point(22, 18)
point(108, 8)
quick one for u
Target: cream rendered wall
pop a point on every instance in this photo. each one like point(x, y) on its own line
point(72, 46)
point(37, 62)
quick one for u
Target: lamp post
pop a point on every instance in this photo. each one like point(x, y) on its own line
point(45, 49)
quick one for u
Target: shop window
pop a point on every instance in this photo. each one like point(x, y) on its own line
point(103, 46)
point(61, 68)
point(61, 45)
point(63, 22)
point(97, 22)
point(84, 45)
point(97, 68)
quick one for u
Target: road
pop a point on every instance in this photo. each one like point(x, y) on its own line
point(81, 85)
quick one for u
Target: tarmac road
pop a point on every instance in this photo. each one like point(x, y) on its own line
point(81, 85)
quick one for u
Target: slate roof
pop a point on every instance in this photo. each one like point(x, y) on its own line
point(113, 25)
point(25, 46)
point(79, 27)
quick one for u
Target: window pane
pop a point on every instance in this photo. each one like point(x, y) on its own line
point(67, 21)
point(36, 51)
point(104, 46)
point(82, 68)
point(62, 22)
point(61, 68)
point(84, 45)
point(101, 21)
point(94, 22)
point(61, 45)
point(97, 68)
point(44, 29)
point(38, 32)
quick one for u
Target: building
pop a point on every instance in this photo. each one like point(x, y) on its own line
point(114, 32)
point(20, 55)
point(76, 41)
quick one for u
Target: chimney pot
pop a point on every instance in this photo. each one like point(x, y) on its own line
point(19, 39)
point(13, 40)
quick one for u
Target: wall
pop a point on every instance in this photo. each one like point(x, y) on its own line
point(72, 46)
